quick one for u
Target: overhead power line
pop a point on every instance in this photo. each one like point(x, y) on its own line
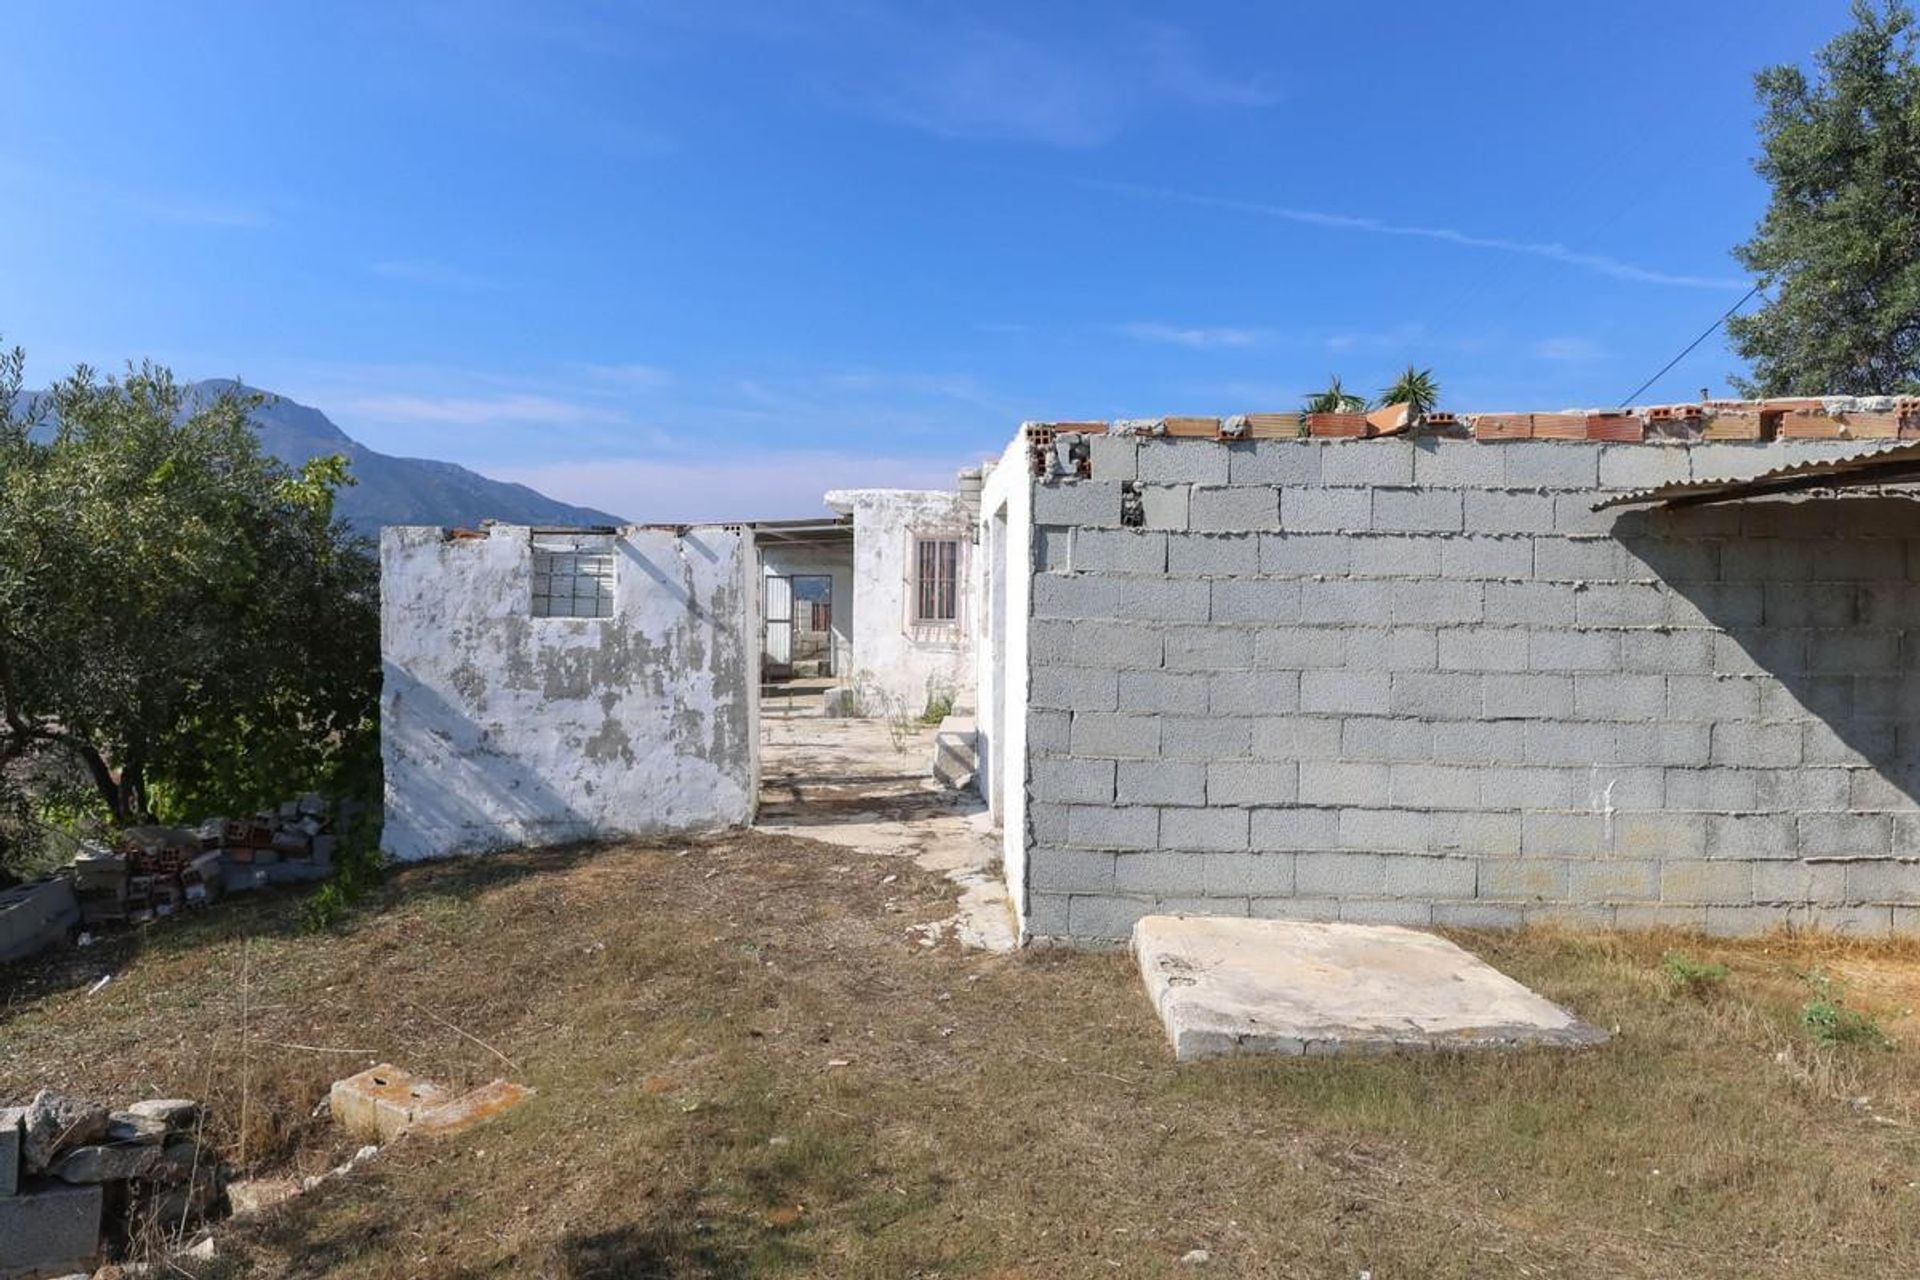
point(1688, 349)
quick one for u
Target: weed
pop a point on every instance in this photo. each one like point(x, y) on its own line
point(357, 868)
point(1686, 976)
point(1829, 1022)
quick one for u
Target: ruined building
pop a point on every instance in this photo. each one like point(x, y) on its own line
point(1656, 666)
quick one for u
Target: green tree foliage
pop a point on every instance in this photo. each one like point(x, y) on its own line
point(183, 623)
point(1839, 245)
point(1416, 389)
point(1335, 399)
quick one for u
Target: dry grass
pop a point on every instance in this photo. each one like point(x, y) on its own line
point(680, 1009)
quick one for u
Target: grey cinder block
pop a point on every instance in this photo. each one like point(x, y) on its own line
point(1346, 692)
point(53, 1229)
point(1182, 462)
point(1073, 689)
point(1418, 511)
point(1114, 457)
point(1278, 462)
point(1211, 828)
point(1305, 554)
point(1119, 551)
point(1107, 827)
point(1395, 556)
point(1457, 464)
point(1294, 829)
point(1163, 782)
point(1254, 600)
point(1160, 599)
point(1180, 692)
point(1120, 735)
point(1367, 462)
point(1077, 502)
point(1326, 510)
point(1360, 875)
point(1208, 555)
point(1164, 506)
point(1074, 781)
point(1252, 782)
point(1233, 509)
point(1334, 782)
point(1551, 465)
point(1497, 512)
point(1204, 648)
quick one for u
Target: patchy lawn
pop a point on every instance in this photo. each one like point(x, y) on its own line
point(748, 1065)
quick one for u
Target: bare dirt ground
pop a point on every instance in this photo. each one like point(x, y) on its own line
point(863, 784)
point(760, 1054)
point(749, 1064)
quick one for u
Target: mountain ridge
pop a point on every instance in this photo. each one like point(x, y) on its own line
point(388, 488)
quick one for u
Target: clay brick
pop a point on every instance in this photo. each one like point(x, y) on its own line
point(1811, 424)
point(1503, 426)
point(1275, 426)
point(1193, 428)
point(1337, 424)
point(1559, 426)
point(1873, 426)
point(1620, 428)
point(1742, 424)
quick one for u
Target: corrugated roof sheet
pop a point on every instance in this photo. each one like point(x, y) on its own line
point(1886, 465)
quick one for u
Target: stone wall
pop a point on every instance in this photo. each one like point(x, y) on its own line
point(1422, 681)
point(499, 728)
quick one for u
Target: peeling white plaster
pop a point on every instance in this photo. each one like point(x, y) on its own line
point(501, 729)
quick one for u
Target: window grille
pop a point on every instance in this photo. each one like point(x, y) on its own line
point(573, 577)
point(936, 580)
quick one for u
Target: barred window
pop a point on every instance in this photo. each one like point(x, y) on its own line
point(573, 576)
point(936, 580)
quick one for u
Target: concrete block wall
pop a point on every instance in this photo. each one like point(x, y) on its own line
point(1421, 681)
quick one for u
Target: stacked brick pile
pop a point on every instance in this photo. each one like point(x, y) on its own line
point(153, 872)
point(79, 1183)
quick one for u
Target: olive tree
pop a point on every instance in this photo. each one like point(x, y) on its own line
point(183, 622)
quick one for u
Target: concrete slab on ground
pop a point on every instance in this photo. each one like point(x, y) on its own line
point(1230, 985)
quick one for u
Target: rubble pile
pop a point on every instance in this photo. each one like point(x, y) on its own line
point(153, 872)
point(80, 1183)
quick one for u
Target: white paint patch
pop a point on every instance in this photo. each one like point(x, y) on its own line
point(501, 729)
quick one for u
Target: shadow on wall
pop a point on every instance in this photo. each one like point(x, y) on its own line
point(1818, 595)
point(425, 732)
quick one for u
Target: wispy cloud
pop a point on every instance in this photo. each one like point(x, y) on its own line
point(479, 411)
point(1569, 350)
point(1197, 338)
point(978, 83)
point(1598, 263)
point(628, 377)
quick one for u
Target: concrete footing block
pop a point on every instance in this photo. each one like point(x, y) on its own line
point(50, 1229)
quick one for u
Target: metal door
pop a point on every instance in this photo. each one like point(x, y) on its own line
point(779, 616)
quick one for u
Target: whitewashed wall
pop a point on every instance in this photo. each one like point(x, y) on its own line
point(500, 729)
point(835, 562)
point(1002, 668)
point(887, 649)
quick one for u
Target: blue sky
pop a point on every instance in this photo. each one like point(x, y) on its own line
point(694, 260)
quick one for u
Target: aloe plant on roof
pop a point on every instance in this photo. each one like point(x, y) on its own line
point(1416, 389)
point(1335, 399)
